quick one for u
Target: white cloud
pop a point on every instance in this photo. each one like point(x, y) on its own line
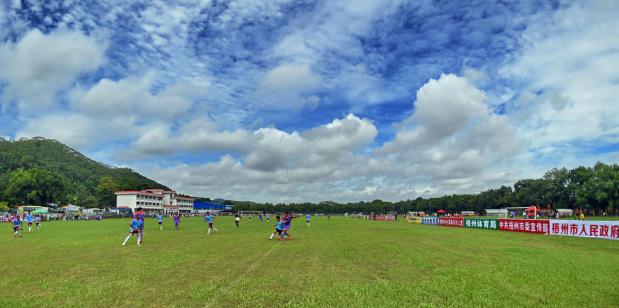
point(134, 96)
point(445, 106)
point(265, 149)
point(119, 111)
point(197, 135)
point(569, 65)
point(288, 87)
point(38, 66)
point(332, 161)
point(453, 140)
point(328, 39)
point(341, 136)
point(363, 88)
point(269, 159)
point(75, 130)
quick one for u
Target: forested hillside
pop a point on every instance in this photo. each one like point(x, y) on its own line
point(40, 171)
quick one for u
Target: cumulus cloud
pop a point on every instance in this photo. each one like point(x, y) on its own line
point(265, 149)
point(134, 95)
point(568, 66)
point(458, 145)
point(38, 66)
point(444, 106)
point(77, 130)
point(119, 111)
point(288, 87)
point(195, 136)
point(453, 140)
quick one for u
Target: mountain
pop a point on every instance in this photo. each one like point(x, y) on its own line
point(39, 171)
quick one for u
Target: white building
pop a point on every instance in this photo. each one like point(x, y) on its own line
point(154, 201)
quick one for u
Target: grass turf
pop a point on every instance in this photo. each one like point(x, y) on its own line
point(342, 262)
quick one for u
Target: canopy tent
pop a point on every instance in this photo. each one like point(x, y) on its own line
point(522, 211)
point(40, 211)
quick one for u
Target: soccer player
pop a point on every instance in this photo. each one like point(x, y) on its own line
point(139, 215)
point(177, 220)
point(279, 226)
point(287, 226)
point(237, 220)
point(29, 219)
point(135, 228)
point(37, 221)
point(16, 226)
point(209, 219)
point(160, 221)
point(307, 219)
point(268, 216)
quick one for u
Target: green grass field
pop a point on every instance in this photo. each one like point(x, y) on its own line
point(342, 262)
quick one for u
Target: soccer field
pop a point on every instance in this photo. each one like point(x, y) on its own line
point(341, 262)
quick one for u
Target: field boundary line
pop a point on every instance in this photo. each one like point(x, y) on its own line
point(243, 275)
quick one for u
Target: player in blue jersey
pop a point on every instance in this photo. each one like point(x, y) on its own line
point(139, 215)
point(135, 228)
point(160, 221)
point(29, 219)
point(209, 219)
point(16, 223)
point(279, 226)
point(308, 217)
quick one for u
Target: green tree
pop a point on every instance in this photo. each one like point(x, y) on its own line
point(4, 206)
point(105, 192)
point(36, 186)
point(600, 190)
point(556, 187)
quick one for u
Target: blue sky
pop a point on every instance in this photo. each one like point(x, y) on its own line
point(317, 100)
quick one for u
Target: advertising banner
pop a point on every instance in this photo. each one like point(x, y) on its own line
point(481, 223)
point(525, 225)
point(414, 219)
point(585, 228)
point(430, 220)
point(385, 217)
point(451, 221)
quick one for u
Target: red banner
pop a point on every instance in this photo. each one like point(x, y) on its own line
point(525, 225)
point(451, 221)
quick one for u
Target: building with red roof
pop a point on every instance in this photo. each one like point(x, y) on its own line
point(154, 201)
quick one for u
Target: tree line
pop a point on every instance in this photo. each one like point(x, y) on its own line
point(592, 189)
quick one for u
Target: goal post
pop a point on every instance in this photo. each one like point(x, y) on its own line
point(247, 213)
